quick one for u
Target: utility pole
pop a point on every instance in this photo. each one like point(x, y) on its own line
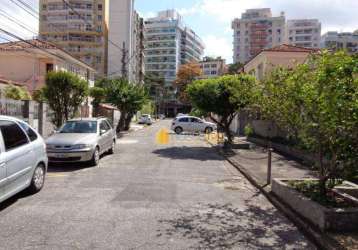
point(124, 61)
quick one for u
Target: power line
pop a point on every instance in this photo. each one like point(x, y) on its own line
point(29, 12)
point(29, 7)
point(19, 23)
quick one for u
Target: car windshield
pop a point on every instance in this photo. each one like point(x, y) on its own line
point(81, 127)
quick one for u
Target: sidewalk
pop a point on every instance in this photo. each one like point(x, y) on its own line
point(254, 162)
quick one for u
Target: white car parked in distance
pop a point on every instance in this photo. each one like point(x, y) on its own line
point(192, 124)
point(23, 159)
point(145, 119)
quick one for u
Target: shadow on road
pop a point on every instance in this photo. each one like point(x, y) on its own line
point(215, 226)
point(190, 153)
point(12, 200)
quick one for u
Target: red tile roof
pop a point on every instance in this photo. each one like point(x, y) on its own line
point(290, 48)
point(20, 45)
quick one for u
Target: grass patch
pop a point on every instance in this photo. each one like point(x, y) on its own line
point(310, 189)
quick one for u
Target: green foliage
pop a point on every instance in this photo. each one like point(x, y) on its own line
point(38, 95)
point(317, 104)
point(234, 68)
point(224, 96)
point(16, 93)
point(248, 130)
point(311, 189)
point(198, 113)
point(64, 92)
point(127, 97)
point(148, 108)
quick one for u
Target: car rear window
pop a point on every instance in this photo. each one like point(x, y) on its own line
point(31, 134)
point(13, 135)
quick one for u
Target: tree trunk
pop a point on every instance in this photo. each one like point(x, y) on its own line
point(228, 133)
point(121, 122)
point(128, 122)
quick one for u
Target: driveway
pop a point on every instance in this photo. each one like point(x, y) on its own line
point(182, 195)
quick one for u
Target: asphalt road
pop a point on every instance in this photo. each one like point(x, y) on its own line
point(182, 195)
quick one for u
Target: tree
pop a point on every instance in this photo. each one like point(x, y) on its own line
point(187, 73)
point(127, 97)
point(16, 93)
point(64, 92)
point(317, 102)
point(225, 97)
point(235, 68)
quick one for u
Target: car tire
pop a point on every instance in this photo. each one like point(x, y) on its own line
point(178, 130)
point(113, 147)
point(38, 179)
point(95, 158)
point(208, 130)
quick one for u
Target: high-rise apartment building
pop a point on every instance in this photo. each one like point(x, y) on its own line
point(80, 27)
point(169, 44)
point(256, 30)
point(138, 69)
point(335, 41)
point(304, 33)
point(125, 46)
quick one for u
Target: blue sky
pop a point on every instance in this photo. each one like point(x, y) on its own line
point(211, 19)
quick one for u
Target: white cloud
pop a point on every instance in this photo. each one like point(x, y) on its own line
point(218, 46)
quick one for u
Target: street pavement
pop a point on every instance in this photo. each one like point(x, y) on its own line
point(181, 195)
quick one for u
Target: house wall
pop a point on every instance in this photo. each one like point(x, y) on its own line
point(263, 64)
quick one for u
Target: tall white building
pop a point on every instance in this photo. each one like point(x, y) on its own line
point(256, 30)
point(304, 33)
point(125, 41)
point(168, 44)
point(335, 41)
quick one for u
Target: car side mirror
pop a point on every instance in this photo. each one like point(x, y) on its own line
point(103, 131)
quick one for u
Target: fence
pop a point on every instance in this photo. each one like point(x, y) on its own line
point(38, 115)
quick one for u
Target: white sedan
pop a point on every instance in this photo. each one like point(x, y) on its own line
point(192, 124)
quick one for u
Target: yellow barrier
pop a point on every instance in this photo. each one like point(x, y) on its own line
point(162, 137)
point(215, 138)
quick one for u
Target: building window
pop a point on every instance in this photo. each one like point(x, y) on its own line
point(99, 6)
point(89, 6)
point(99, 29)
point(213, 72)
point(44, 7)
point(99, 17)
point(49, 67)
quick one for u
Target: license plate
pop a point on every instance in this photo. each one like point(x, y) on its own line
point(60, 156)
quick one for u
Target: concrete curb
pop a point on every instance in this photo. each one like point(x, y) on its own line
point(320, 239)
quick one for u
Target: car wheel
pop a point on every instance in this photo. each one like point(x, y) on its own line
point(38, 179)
point(113, 147)
point(178, 130)
point(95, 157)
point(208, 130)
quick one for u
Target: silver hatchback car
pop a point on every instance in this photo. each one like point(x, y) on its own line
point(23, 160)
point(81, 140)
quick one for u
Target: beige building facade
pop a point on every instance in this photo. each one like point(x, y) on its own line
point(287, 56)
point(21, 62)
point(212, 67)
point(79, 27)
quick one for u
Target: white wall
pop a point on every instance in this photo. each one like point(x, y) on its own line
point(120, 30)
